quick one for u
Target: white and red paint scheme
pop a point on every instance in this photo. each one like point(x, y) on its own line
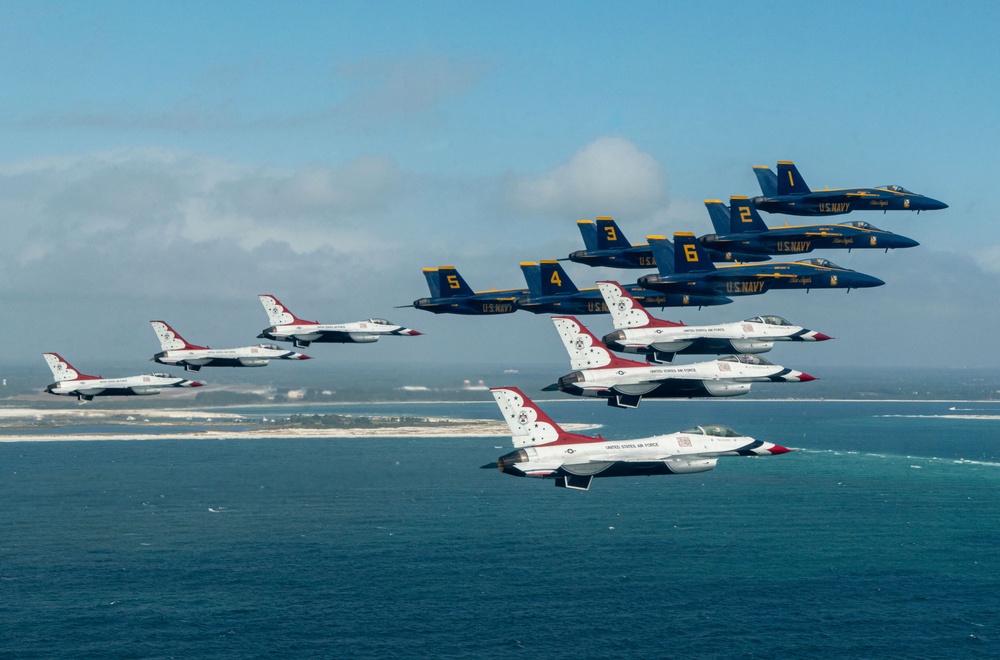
point(544, 450)
point(600, 373)
point(285, 326)
point(638, 331)
point(70, 381)
point(179, 352)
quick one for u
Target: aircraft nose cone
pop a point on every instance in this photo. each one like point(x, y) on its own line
point(933, 205)
point(819, 336)
point(194, 383)
point(862, 281)
point(778, 449)
point(805, 378)
point(413, 333)
point(303, 356)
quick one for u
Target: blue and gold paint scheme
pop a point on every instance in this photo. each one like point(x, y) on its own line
point(551, 291)
point(741, 235)
point(450, 294)
point(786, 192)
point(607, 246)
point(694, 273)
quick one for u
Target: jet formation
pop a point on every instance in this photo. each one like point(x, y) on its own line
point(285, 326)
point(178, 352)
point(544, 450)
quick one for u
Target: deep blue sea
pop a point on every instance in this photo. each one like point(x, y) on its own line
point(879, 537)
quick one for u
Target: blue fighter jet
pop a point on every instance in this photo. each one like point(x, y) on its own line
point(551, 291)
point(741, 235)
point(451, 295)
point(607, 246)
point(695, 274)
point(786, 192)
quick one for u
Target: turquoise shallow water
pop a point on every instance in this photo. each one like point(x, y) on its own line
point(877, 539)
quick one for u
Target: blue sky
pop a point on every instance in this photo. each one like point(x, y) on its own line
point(173, 160)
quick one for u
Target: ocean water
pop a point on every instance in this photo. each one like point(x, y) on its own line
point(877, 538)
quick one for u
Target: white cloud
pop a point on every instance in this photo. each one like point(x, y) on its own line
point(608, 176)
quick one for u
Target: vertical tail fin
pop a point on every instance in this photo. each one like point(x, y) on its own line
point(451, 284)
point(743, 217)
point(532, 277)
point(529, 425)
point(431, 275)
point(589, 232)
point(63, 370)
point(767, 180)
point(277, 313)
point(689, 256)
point(585, 350)
point(790, 182)
point(719, 213)
point(626, 311)
point(609, 236)
point(554, 278)
point(169, 338)
point(663, 253)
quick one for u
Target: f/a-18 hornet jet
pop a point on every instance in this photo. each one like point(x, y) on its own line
point(544, 450)
point(285, 326)
point(637, 331)
point(451, 295)
point(694, 273)
point(69, 381)
point(600, 373)
point(177, 351)
point(607, 246)
point(741, 234)
point(551, 291)
point(786, 192)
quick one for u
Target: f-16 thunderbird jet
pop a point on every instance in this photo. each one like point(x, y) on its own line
point(600, 373)
point(551, 291)
point(787, 192)
point(694, 273)
point(285, 326)
point(637, 331)
point(450, 294)
point(544, 450)
point(607, 246)
point(177, 351)
point(70, 381)
point(741, 234)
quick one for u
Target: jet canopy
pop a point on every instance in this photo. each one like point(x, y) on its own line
point(745, 359)
point(823, 263)
point(769, 320)
point(717, 430)
point(861, 224)
point(379, 322)
point(898, 189)
point(271, 346)
point(160, 374)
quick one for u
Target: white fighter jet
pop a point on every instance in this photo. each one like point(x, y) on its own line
point(85, 388)
point(601, 373)
point(177, 351)
point(285, 326)
point(637, 331)
point(543, 449)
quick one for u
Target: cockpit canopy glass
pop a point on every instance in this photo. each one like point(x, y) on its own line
point(745, 359)
point(271, 346)
point(898, 189)
point(861, 224)
point(717, 430)
point(769, 320)
point(160, 374)
point(379, 322)
point(823, 263)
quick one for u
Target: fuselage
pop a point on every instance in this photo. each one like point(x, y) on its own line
point(755, 279)
point(148, 384)
point(804, 239)
point(194, 359)
point(846, 200)
point(303, 334)
point(752, 336)
point(729, 376)
point(636, 256)
point(590, 301)
point(481, 303)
